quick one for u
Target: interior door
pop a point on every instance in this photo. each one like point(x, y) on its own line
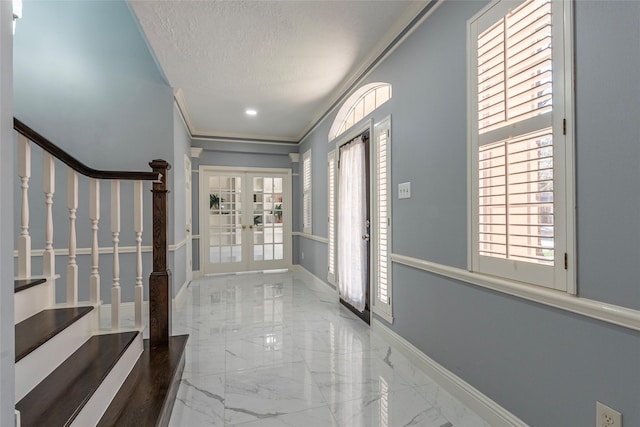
point(248, 220)
point(223, 236)
point(354, 225)
point(269, 220)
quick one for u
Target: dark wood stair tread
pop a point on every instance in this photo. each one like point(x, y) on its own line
point(58, 399)
point(23, 284)
point(148, 394)
point(31, 333)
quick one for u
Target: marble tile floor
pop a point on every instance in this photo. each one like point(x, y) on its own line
point(275, 349)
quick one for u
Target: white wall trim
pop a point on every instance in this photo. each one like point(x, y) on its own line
point(196, 151)
point(471, 397)
point(378, 312)
point(297, 268)
point(311, 237)
point(175, 247)
point(610, 313)
point(178, 299)
point(104, 250)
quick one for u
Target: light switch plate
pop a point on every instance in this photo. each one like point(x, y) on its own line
point(404, 190)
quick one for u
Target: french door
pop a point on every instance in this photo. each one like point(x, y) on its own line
point(245, 219)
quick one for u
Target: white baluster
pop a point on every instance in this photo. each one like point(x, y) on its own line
point(72, 267)
point(49, 188)
point(138, 219)
point(24, 240)
point(94, 215)
point(115, 230)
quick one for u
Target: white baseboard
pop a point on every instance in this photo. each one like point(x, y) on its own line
point(471, 397)
point(315, 279)
point(177, 300)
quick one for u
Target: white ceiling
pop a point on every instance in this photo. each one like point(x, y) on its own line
point(290, 60)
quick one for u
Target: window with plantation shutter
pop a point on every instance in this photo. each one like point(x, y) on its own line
point(306, 192)
point(521, 152)
point(332, 165)
point(382, 219)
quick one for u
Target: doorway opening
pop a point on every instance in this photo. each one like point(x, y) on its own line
point(354, 225)
point(245, 218)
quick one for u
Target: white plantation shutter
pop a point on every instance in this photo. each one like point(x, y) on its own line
point(491, 91)
point(518, 143)
point(331, 195)
point(306, 192)
point(382, 221)
point(516, 199)
point(514, 67)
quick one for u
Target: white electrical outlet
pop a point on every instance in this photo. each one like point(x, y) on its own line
point(404, 190)
point(607, 417)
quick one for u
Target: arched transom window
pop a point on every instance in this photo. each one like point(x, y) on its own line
point(359, 105)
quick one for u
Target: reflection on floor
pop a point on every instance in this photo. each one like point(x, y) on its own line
point(277, 350)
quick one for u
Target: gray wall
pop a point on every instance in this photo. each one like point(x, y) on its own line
point(7, 346)
point(546, 366)
point(177, 197)
point(85, 79)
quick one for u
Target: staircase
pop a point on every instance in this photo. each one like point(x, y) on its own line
point(76, 364)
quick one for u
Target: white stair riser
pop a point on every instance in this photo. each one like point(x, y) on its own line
point(35, 367)
point(33, 300)
point(101, 399)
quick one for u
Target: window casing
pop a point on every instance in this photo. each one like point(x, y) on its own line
point(306, 193)
point(382, 219)
point(358, 106)
point(521, 157)
point(332, 182)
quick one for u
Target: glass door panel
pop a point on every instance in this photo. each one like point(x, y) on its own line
point(225, 221)
point(268, 210)
point(248, 221)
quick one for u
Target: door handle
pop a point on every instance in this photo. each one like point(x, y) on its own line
point(365, 237)
point(251, 226)
point(244, 227)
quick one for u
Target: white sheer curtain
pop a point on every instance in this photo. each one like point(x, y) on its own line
point(351, 224)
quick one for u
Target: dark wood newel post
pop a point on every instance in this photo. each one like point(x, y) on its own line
point(160, 278)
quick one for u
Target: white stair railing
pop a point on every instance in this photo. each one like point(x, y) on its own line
point(138, 220)
point(72, 266)
point(24, 240)
point(94, 215)
point(49, 188)
point(115, 230)
point(76, 188)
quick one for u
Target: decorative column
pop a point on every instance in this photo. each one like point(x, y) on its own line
point(160, 278)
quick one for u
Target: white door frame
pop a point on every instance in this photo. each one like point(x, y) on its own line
point(203, 208)
point(345, 139)
point(188, 185)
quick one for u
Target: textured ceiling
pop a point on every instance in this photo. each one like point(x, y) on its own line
point(289, 60)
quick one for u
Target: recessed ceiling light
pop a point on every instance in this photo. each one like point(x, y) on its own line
point(251, 112)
